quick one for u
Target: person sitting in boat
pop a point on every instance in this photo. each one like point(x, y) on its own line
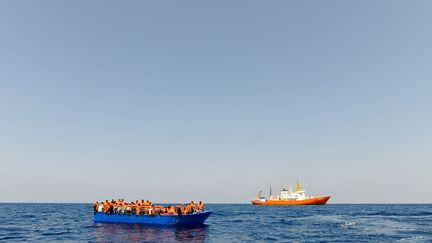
point(100, 207)
point(129, 208)
point(138, 208)
point(141, 209)
point(169, 210)
point(111, 207)
point(189, 208)
point(165, 210)
point(172, 210)
point(105, 206)
point(124, 208)
point(96, 206)
point(133, 208)
point(200, 206)
point(151, 210)
point(147, 203)
point(179, 209)
point(117, 206)
point(145, 207)
point(158, 209)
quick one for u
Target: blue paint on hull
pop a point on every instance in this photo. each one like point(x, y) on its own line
point(185, 220)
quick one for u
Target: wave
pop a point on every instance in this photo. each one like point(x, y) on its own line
point(386, 213)
point(54, 233)
point(413, 238)
point(348, 224)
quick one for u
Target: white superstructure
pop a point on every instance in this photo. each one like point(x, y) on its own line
point(298, 194)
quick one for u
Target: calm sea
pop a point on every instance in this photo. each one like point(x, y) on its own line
point(229, 223)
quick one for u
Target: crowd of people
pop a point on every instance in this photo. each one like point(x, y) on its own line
point(145, 207)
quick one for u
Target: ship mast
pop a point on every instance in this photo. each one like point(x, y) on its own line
point(270, 190)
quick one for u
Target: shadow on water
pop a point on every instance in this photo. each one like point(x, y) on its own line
point(137, 232)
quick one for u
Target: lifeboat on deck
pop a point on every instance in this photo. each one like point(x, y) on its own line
point(290, 198)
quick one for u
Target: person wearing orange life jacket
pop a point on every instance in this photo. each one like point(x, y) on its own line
point(189, 208)
point(192, 207)
point(173, 210)
point(142, 209)
point(165, 210)
point(200, 206)
point(145, 207)
point(137, 208)
point(185, 209)
point(105, 208)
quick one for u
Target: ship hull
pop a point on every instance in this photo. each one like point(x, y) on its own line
point(182, 220)
point(310, 201)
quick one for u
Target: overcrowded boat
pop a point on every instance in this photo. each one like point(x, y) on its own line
point(145, 212)
point(298, 197)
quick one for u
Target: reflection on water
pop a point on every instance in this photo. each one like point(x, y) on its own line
point(138, 232)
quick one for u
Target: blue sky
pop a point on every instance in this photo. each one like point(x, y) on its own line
point(179, 100)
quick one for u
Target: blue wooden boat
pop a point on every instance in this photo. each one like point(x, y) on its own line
point(176, 220)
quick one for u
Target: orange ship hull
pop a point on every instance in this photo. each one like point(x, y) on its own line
point(310, 201)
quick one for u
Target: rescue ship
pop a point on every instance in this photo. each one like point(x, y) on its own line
point(290, 198)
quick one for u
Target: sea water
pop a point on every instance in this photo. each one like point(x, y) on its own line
point(228, 223)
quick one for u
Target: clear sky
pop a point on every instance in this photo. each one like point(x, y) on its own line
point(179, 100)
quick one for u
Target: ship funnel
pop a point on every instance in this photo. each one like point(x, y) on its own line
point(298, 186)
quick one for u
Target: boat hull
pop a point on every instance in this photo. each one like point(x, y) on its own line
point(310, 201)
point(175, 220)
